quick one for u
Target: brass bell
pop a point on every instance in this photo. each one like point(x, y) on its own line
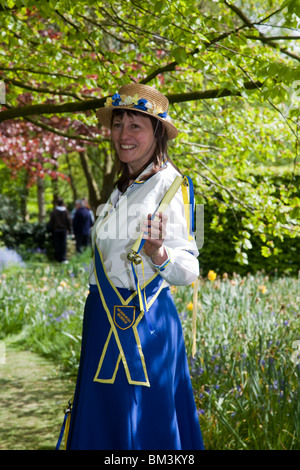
point(137, 259)
point(131, 256)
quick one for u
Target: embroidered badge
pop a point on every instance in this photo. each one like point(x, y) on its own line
point(124, 316)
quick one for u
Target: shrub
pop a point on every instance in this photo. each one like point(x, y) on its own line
point(27, 238)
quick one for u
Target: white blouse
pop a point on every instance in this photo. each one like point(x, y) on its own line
point(119, 223)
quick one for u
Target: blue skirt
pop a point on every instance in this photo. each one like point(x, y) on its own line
point(124, 416)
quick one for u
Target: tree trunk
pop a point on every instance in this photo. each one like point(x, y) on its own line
point(55, 190)
point(24, 198)
point(109, 172)
point(41, 199)
point(94, 196)
point(70, 175)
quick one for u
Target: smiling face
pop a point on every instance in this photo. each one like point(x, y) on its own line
point(133, 139)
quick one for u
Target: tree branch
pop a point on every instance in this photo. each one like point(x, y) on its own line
point(72, 107)
point(38, 72)
point(52, 129)
point(46, 108)
point(42, 90)
point(273, 38)
point(172, 65)
point(219, 184)
point(210, 94)
point(265, 40)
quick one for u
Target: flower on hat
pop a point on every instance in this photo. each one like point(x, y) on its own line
point(141, 104)
point(116, 98)
point(108, 101)
point(156, 111)
point(137, 103)
point(126, 100)
point(163, 115)
point(135, 99)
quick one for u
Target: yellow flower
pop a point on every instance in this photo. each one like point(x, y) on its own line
point(190, 306)
point(211, 275)
point(262, 289)
point(135, 99)
point(63, 284)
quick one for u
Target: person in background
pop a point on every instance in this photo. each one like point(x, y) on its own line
point(86, 203)
point(82, 223)
point(60, 226)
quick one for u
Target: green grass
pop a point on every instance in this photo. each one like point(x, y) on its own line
point(246, 383)
point(245, 373)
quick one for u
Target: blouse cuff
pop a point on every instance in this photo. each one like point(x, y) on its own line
point(163, 266)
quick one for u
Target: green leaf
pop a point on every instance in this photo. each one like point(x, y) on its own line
point(179, 54)
point(265, 251)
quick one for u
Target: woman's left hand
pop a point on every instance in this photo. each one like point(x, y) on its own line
point(154, 234)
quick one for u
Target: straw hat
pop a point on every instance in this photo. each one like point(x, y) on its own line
point(142, 98)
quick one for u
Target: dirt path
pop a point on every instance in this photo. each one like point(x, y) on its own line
point(32, 399)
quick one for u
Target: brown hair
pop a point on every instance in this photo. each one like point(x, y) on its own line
point(159, 156)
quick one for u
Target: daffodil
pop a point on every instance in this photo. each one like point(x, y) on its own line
point(211, 275)
point(262, 289)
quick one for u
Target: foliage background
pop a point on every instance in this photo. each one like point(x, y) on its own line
point(231, 72)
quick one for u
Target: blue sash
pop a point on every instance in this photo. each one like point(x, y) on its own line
point(124, 315)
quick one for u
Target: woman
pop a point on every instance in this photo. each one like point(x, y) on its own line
point(133, 389)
